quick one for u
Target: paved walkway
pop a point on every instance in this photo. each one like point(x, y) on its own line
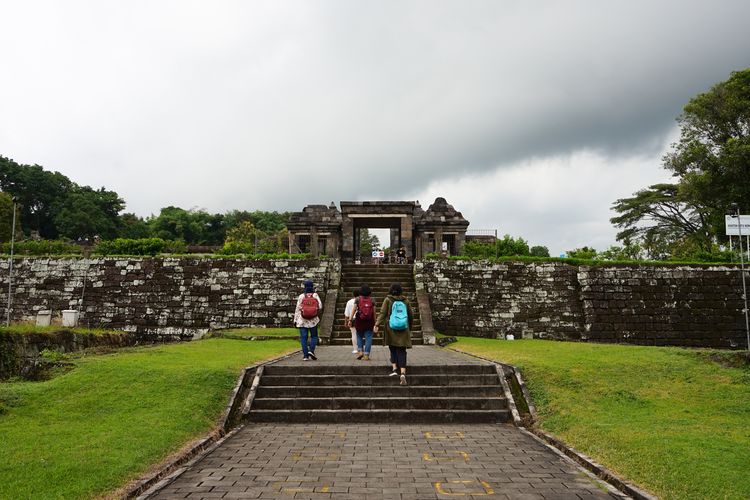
point(309, 461)
point(380, 355)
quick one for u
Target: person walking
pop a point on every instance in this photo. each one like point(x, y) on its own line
point(397, 319)
point(364, 319)
point(348, 319)
point(306, 318)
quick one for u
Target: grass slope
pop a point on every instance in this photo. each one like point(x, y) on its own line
point(94, 428)
point(668, 419)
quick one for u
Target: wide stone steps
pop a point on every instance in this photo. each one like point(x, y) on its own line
point(382, 403)
point(381, 416)
point(379, 278)
point(376, 391)
point(366, 393)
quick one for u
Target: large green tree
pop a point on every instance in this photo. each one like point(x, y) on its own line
point(196, 227)
point(86, 213)
point(711, 164)
point(37, 191)
point(6, 216)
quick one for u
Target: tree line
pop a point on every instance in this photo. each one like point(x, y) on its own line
point(50, 206)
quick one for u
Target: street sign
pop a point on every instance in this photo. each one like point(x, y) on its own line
point(733, 226)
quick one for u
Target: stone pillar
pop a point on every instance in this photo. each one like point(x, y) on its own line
point(347, 236)
point(460, 240)
point(314, 241)
point(290, 240)
point(333, 245)
point(439, 240)
point(395, 239)
point(407, 230)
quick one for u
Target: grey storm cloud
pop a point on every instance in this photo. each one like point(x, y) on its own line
point(274, 105)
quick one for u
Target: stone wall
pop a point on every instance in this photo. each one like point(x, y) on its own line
point(20, 352)
point(495, 299)
point(164, 296)
point(693, 306)
point(648, 305)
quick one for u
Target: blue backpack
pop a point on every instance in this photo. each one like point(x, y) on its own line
point(399, 319)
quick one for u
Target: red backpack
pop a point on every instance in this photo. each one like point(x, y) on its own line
point(309, 306)
point(365, 314)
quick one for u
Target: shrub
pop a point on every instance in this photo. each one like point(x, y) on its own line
point(124, 246)
point(539, 251)
point(43, 247)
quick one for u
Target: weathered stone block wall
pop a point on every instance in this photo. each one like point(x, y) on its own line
point(480, 298)
point(648, 305)
point(666, 305)
point(20, 352)
point(164, 296)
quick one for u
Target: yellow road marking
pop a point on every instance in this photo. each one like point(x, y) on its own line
point(485, 491)
point(446, 457)
point(444, 435)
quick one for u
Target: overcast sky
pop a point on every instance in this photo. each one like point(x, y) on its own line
point(530, 117)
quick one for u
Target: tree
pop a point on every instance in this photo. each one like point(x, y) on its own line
point(196, 227)
point(582, 253)
point(666, 210)
point(512, 246)
point(268, 222)
point(86, 213)
point(133, 227)
point(6, 217)
point(367, 243)
point(711, 163)
point(631, 251)
point(37, 192)
point(539, 251)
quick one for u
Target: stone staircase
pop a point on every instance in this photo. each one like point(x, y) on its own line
point(379, 277)
point(365, 393)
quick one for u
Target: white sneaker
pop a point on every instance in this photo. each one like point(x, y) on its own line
point(403, 379)
point(393, 373)
point(355, 351)
point(305, 359)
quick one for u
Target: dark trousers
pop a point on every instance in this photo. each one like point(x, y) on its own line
point(398, 356)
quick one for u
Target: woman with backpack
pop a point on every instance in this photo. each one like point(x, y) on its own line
point(397, 319)
point(364, 319)
point(306, 318)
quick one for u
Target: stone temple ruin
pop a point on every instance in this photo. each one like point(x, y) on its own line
point(326, 230)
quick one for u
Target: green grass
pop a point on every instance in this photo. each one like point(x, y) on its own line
point(669, 419)
point(246, 333)
point(104, 423)
point(27, 328)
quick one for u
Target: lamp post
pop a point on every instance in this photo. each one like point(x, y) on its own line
point(10, 264)
point(736, 210)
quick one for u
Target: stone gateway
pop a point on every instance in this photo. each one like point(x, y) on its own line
point(326, 230)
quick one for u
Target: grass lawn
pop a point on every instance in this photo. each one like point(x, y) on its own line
point(668, 419)
point(28, 328)
point(91, 430)
point(246, 333)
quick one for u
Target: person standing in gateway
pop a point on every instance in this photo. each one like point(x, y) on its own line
point(306, 318)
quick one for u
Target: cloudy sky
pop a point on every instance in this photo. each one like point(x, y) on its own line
point(530, 117)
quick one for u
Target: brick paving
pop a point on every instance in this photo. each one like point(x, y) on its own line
point(417, 355)
point(388, 461)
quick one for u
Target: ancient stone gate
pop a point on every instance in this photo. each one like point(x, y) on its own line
point(326, 230)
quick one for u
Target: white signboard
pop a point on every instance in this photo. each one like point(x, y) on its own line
point(733, 226)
